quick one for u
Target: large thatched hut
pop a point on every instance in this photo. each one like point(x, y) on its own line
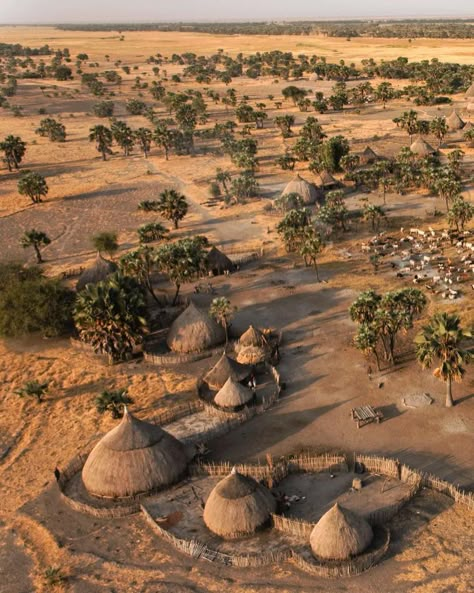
point(340, 534)
point(224, 368)
point(233, 395)
point(97, 272)
point(134, 457)
point(307, 191)
point(218, 262)
point(238, 506)
point(194, 331)
point(454, 122)
point(421, 148)
point(327, 180)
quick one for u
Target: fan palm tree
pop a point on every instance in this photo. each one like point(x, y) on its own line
point(144, 138)
point(103, 138)
point(439, 128)
point(33, 389)
point(124, 136)
point(113, 402)
point(163, 137)
point(14, 149)
point(221, 310)
point(173, 206)
point(33, 185)
point(442, 340)
point(35, 239)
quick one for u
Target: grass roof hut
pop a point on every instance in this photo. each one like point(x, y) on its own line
point(238, 506)
point(455, 122)
point(421, 148)
point(307, 191)
point(340, 534)
point(313, 77)
point(368, 156)
point(233, 395)
point(194, 331)
point(470, 107)
point(96, 273)
point(224, 368)
point(134, 457)
point(327, 180)
point(218, 263)
point(252, 346)
point(470, 92)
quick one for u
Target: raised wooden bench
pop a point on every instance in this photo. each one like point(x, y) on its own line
point(365, 415)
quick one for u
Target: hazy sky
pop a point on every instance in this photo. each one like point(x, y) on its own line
point(54, 11)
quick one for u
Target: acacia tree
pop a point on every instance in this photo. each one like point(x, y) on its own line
point(103, 138)
point(222, 311)
point(14, 150)
point(442, 340)
point(37, 240)
point(33, 185)
point(172, 206)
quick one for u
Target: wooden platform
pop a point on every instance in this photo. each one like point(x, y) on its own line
point(365, 415)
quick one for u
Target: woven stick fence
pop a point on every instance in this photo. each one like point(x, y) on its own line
point(292, 526)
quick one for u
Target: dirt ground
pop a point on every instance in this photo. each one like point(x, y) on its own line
point(325, 377)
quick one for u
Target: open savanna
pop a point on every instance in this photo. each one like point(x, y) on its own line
point(325, 377)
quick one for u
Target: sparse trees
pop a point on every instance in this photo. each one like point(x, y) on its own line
point(173, 206)
point(374, 215)
point(37, 240)
point(442, 340)
point(439, 128)
point(144, 137)
point(123, 135)
point(460, 213)
point(103, 138)
point(14, 150)
point(311, 248)
point(52, 129)
point(33, 185)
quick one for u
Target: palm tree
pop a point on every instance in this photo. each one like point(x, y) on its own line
point(103, 138)
point(173, 206)
point(14, 149)
point(32, 185)
point(442, 339)
point(409, 122)
point(123, 135)
point(33, 389)
point(35, 239)
point(105, 242)
point(439, 128)
point(374, 214)
point(310, 250)
point(144, 138)
point(222, 310)
point(163, 137)
point(113, 401)
point(223, 177)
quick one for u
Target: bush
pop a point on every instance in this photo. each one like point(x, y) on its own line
point(104, 109)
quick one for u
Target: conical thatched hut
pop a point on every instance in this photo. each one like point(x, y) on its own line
point(327, 180)
point(194, 331)
point(252, 347)
point(218, 262)
point(238, 506)
point(307, 191)
point(421, 148)
point(224, 368)
point(368, 156)
point(132, 458)
point(252, 337)
point(470, 92)
point(340, 534)
point(233, 395)
point(96, 273)
point(313, 77)
point(455, 122)
point(470, 107)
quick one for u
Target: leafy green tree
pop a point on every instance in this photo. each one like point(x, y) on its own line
point(286, 162)
point(408, 122)
point(14, 150)
point(173, 206)
point(140, 264)
point(223, 178)
point(222, 311)
point(37, 240)
point(284, 123)
point(34, 389)
point(311, 248)
point(439, 128)
point(113, 401)
point(334, 212)
point(293, 227)
point(111, 316)
point(163, 137)
point(468, 136)
point(460, 213)
point(52, 129)
point(442, 340)
point(244, 186)
point(374, 215)
point(384, 92)
point(294, 93)
point(105, 242)
point(33, 185)
point(144, 137)
point(103, 138)
point(153, 231)
point(123, 135)
point(104, 109)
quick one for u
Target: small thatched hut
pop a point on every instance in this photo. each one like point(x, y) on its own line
point(307, 191)
point(470, 92)
point(313, 77)
point(421, 148)
point(368, 156)
point(252, 347)
point(455, 122)
point(340, 534)
point(218, 262)
point(96, 273)
point(327, 180)
point(233, 395)
point(134, 457)
point(194, 331)
point(224, 368)
point(238, 506)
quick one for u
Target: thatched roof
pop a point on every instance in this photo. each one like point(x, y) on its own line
point(232, 395)
point(313, 77)
point(252, 346)
point(238, 506)
point(368, 156)
point(96, 273)
point(218, 262)
point(307, 191)
point(455, 122)
point(252, 354)
point(133, 457)
point(224, 368)
point(340, 534)
point(421, 148)
point(193, 331)
point(252, 337)
point(327, 180)
point(470, 91)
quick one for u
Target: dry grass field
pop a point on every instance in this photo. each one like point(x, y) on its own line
point(325, 376)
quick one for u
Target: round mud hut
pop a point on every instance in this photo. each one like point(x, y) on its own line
point(252, 347)
point(194, 331)
point(238, 506)
point(133, 458)
point(421, 148)
point(455, 122)
point(233, 396)
point(307, 191)
point(340, 534)
point(224, 368)
point(99, 271)
point(218, 263)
